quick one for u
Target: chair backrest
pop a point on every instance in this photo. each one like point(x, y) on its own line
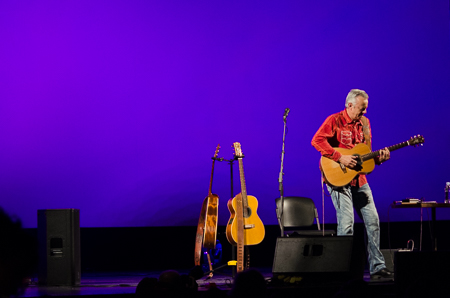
point(297, 211)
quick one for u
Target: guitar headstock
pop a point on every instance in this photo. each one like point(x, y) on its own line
point(217, 151)
point(237, 150)
point(416, 140)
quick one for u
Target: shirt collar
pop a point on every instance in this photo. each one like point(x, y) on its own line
point(347, 119)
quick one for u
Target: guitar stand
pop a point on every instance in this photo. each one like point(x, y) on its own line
point(233, 250)
point(229, 263)
point(232, 263)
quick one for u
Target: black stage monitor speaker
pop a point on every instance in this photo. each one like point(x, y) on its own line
point(59, 247)
point(388, 255)
point(312, 255)
point(417, 271)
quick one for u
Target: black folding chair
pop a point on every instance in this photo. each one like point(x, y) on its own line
point(298, 218)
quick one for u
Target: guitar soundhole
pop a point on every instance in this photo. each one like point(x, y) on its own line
point(359, 163)
point(248, 213)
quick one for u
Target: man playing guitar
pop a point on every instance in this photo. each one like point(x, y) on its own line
point(344, 130)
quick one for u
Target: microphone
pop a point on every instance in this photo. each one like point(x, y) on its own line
point(286, 113)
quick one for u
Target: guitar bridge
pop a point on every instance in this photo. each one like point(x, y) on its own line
point(252, 226)
point(343, 168)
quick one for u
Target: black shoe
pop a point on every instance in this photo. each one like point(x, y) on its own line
point(383, 274)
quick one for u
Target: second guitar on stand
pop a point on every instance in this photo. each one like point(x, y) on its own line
point(244, 226)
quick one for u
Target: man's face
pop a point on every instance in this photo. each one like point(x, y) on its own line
point(359, 109)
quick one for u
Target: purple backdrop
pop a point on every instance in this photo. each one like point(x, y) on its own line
point(116, 107)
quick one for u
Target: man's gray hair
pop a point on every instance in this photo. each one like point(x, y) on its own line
point(351, 96)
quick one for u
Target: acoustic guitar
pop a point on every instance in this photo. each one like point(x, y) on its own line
point(207, 223)
point(209, 238)
point(339, 175)
point(252, 226)
point(237, 219)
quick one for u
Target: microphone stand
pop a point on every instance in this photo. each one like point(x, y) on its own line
point(280, 178)
point(447, 188)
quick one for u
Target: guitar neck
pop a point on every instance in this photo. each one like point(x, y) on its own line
point(240, 233)
point(391, 148)
point(212, 170)
point(211, 179)
point(243, 188)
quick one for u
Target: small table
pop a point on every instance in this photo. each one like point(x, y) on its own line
point(433, 207)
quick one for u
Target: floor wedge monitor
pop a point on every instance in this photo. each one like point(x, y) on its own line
point(302, 255)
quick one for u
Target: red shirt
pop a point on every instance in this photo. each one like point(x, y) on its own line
point(339, 130)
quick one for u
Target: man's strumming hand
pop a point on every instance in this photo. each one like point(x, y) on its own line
point(349, 161)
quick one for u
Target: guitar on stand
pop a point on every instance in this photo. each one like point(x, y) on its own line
point(244, 226)
point(207, 223)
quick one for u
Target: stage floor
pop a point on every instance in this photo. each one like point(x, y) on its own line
point(113, 283)
point(124, 284)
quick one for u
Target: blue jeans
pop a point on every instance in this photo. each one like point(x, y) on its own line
point(344, 200)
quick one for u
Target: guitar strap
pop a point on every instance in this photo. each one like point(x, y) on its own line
point(366, 131)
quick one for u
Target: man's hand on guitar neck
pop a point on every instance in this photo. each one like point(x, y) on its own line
point(384, 155)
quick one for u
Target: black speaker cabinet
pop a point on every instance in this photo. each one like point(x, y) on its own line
point(59, 247)
point(417, 271)
point(301, 255)
point(388, 255)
